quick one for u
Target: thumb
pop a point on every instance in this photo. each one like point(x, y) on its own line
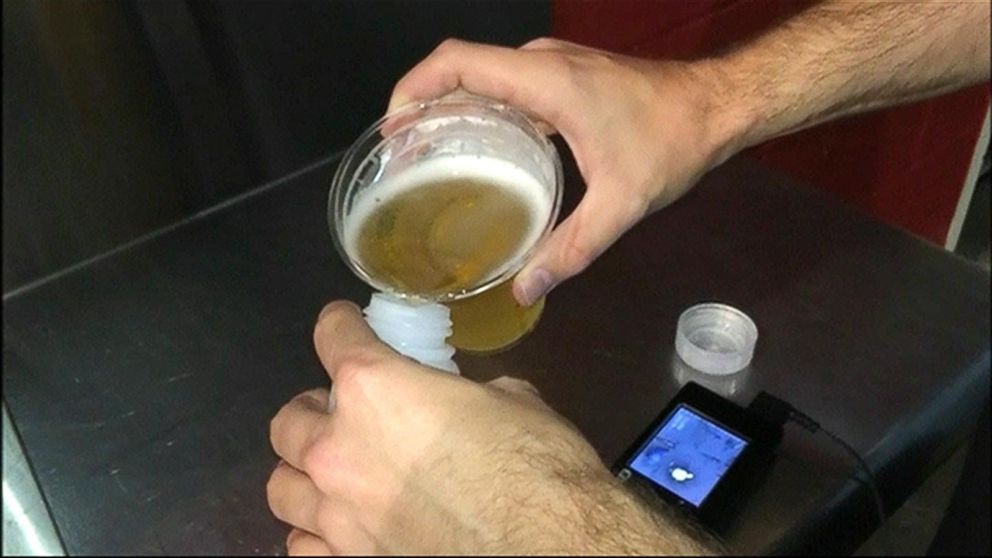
point(599, 219)
point(341, 334)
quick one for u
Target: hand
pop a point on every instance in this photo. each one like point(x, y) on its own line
point(642, 132)
point(416, 461)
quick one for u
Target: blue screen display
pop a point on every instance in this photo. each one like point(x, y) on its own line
point(688, 455)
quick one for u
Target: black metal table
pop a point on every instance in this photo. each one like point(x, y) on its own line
point(142, 384)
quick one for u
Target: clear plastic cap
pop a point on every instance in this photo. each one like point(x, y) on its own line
point(715, 338)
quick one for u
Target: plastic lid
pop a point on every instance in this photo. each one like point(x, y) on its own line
point(715, 338)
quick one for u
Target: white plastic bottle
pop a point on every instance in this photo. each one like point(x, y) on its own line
point(413, 328)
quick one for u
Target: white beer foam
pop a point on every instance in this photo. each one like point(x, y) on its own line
point(498, 172)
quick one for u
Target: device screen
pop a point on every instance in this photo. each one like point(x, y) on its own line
point(688, 454)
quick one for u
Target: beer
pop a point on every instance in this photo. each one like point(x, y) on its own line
point(492, 320)
point(445, 227)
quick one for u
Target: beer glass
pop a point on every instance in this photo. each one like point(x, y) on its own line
point(444, 201)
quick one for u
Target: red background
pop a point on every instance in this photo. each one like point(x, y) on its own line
point(904, 165)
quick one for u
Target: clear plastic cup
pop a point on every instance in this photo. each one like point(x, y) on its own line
point(425, 146)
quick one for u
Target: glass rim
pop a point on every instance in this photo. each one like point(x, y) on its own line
point(342, 184)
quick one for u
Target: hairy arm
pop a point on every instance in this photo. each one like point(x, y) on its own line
point(843, 57)
point(566, 502)
point(615, 520)
point(644, 131)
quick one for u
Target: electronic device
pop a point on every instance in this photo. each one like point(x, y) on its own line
point(703, 453)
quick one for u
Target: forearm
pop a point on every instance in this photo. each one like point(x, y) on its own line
point(841, 57)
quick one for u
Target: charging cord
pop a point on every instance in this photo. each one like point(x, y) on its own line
point(778, 412)
point(807, 423)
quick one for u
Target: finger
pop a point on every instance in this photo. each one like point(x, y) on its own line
point(600, 218)
point(293, 498)
point(519, 78)
point(343, 535)
point(515, 386)
point(341, 333)
point(398, 117)
point(297, 424)
point(301, 543)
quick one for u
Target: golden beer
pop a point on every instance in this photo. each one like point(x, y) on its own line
point(447, 228)
point(491, 320)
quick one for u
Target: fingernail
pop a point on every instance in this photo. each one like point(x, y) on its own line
point(397, 102)
point(532, 287)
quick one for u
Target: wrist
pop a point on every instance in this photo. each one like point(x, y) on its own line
point(603, 518)
point(733, 107)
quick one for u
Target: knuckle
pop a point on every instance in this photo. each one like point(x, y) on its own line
point(351, 369)
point(356, 374)
point(581, 68)
point(600, 59)
point(448, 45)
point(329, 469)
point(579, 253)
point(572, 70)
point(517, 385)
point(527, 386)
point(542, 42)
point(318, 458)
